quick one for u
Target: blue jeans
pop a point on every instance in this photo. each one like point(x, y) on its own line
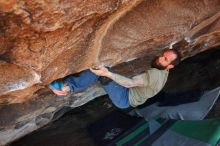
point(117, 93)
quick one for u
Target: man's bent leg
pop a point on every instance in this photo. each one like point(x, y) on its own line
point(118, 94)
point(81, 82)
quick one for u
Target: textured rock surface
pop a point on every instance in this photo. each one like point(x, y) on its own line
point(41, 41)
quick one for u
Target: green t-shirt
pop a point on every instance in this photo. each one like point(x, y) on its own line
point(154, 81)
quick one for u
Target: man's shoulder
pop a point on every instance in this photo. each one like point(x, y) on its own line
point(157, 70)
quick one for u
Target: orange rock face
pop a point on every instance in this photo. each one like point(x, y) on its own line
point(41, 41)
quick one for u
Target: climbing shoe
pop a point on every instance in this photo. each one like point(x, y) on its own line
point(57, 88)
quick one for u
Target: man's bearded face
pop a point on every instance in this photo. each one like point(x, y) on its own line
point(164, 60)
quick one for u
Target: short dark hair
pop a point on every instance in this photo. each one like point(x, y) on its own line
point(178, 56)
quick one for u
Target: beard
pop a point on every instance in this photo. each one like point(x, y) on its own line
point(156, 64)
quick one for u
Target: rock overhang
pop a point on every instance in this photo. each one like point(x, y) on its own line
point(41, 41)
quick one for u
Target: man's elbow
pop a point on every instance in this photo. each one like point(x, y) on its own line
point(128, 86)
point(133, 85)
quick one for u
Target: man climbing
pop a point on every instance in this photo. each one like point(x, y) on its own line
point(123, 92)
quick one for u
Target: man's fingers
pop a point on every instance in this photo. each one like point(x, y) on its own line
point(100, 71)
point(92, 70)
point(95, 68)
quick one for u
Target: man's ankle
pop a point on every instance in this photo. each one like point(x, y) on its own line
point(66, 88)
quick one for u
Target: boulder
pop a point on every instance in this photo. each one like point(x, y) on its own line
point(41, 41)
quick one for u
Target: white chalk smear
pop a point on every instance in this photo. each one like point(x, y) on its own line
point(22, 84)
point(171, 44)
point(131, 59)
point(188, 39)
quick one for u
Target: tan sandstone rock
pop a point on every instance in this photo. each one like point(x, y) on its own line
point(41, 41)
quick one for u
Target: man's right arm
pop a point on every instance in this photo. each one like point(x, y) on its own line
point(136, 81)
